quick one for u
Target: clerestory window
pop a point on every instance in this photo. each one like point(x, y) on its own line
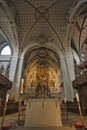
point(6, 51)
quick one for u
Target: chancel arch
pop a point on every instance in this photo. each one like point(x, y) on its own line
point(41, 68)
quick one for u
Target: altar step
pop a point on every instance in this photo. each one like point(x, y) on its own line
point(45, 128)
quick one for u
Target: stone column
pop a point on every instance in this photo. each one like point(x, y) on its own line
point(68, 75)
point(15, 76)
point(18, 76)
point(12, 73)
point(13, 67)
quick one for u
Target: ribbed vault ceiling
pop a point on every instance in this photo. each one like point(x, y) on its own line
point(41, 17)
point(42, 22)
point(42, 55)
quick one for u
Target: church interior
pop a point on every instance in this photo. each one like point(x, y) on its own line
point(43, 64)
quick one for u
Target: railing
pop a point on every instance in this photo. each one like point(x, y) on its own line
point(11, 108)
point(5, 81)
point(43, 96)
point(72, 107)
point(80, 80)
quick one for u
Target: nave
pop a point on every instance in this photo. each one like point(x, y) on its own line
point(43, 61)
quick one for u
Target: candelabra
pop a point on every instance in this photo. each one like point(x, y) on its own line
point(5, 107)
point(80, 111)
point(19, 108)
point(20, 101)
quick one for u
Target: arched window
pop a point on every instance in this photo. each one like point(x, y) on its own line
point(6, 51)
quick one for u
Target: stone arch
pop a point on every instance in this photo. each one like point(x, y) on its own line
point(14, 41)
point(30, 47)
point(5, 41)
point(72, 20)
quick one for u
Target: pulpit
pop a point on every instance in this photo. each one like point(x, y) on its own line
point(43, 113)
point(5, 84)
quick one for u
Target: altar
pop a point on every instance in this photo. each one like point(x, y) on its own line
point(43, 113)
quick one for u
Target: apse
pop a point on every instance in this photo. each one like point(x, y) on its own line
point(42, 72)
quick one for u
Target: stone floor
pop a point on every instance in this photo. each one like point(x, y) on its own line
point(67, 121)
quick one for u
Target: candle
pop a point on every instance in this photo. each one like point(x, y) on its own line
point(77, 97)
point(22, 82)
point(64, 100)
point(7, 97)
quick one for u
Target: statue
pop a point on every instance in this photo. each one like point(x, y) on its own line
point(77, 69)
point(7, 71)
point(1, 69)
point(83, 65)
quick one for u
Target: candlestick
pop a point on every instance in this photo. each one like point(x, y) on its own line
point(19, 108)
point(77, 97)
point(65, 108)
point(7, 97)
point(20, 101)
point(80, 111)
point(5, 107)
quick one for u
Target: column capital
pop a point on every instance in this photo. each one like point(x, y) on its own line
point(14, 56)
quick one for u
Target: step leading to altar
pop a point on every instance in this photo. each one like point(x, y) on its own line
point(45, 128)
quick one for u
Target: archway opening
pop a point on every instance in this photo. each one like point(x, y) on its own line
point(42, 73)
